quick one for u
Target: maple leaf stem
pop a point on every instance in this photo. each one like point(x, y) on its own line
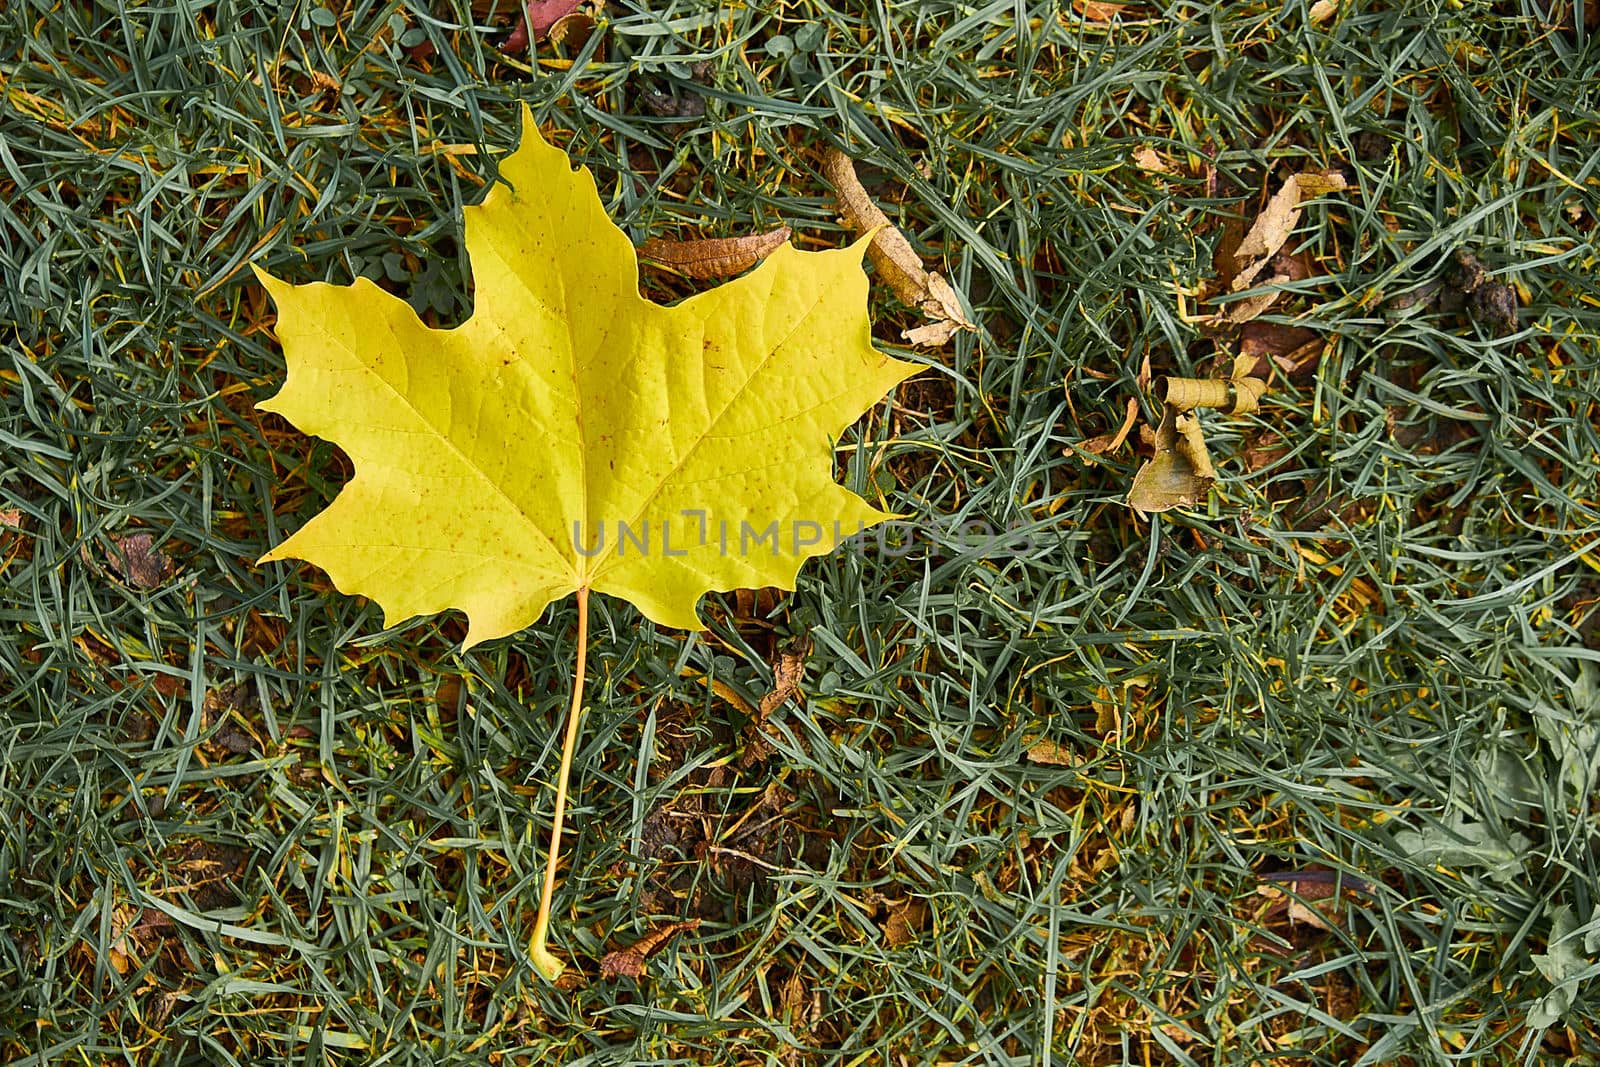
point(543, 958)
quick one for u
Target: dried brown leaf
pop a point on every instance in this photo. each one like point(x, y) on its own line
point(1147, 159)
point(1316, 900)
point(1263, 450)
point(1253, 307)
point(1051, 753)
point(1096, 10)
point(713, 257)
point(1258, 258)
point(1275, 223)
point(798, 1002)
point(787, 673)
point(1303, 360)
point(896, 261)
point(1112, 441)
point(944, 303)
point(1179, 474)
point(629, 962)
point(890, 252)
point(905, 920)
point(137, 561)
point(931, 334)
point(1269, 340)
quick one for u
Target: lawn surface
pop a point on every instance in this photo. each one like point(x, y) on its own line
point(1303, 774)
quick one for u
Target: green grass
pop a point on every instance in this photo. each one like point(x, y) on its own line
point(242, 823)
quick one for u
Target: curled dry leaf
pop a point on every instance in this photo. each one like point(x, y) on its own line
point(538, 18)
point(786, 675)
point(897, 262)
point(1240, 394)
point(629, 962)
point(1256, 260)
point(713, 257)
point(1180, 474)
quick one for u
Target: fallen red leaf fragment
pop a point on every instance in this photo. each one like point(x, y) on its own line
point(538, 17)
point(629, 962)
point(713, 257)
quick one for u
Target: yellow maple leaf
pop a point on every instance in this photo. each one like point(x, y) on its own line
point(572, 435)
